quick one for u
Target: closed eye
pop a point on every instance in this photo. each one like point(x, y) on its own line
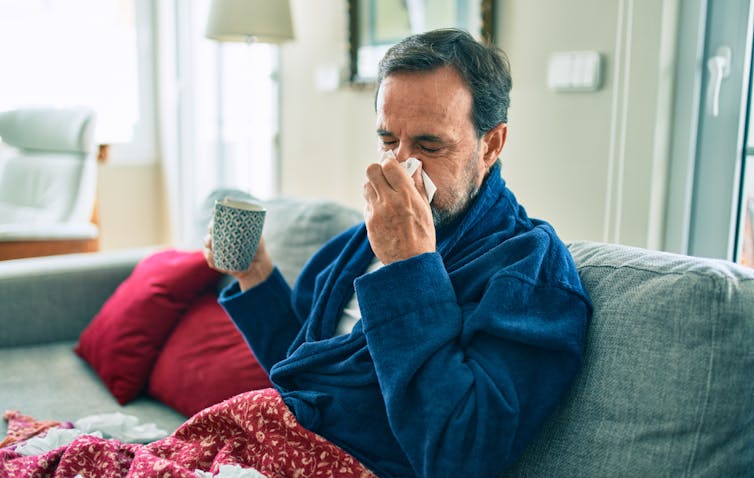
point(386, 137)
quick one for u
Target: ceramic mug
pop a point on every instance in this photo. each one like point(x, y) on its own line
point(236, 231)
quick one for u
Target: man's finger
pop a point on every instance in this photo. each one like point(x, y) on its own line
point(376, 178)
point(394, 173)
point(369, 192)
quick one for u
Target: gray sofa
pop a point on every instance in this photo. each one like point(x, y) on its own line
point(667, 388)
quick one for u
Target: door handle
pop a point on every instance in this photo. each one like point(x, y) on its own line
point(719, 68)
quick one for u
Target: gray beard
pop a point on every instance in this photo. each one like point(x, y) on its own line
point(443, 217)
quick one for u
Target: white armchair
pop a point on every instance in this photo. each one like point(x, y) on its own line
point(48, 182)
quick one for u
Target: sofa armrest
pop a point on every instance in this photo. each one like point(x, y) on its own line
point(51, 299)
point(666, 388)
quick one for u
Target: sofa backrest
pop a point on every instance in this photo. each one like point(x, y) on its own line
point(295, 229)
point(667, 387)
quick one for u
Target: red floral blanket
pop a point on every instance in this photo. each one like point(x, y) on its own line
point(252, 430)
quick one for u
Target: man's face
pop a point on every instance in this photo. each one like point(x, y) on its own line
point(427, 115)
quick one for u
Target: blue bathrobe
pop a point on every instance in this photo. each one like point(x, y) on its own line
point(460, 355)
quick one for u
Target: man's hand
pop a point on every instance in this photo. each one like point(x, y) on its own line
point(259, 270)
point(397, 214)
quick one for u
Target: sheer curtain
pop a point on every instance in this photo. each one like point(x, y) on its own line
point(218, 115)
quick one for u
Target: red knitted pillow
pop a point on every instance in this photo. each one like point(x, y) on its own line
point(124, 339)
point(205, 361)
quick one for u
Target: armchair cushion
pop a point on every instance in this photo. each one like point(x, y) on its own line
point(48, 175)
point(45, 232)
point(48, 129)
point(44, 188)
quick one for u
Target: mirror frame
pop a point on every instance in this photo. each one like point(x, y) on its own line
point(487, 8)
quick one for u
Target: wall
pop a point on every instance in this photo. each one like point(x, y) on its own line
point(593, 164)
point(327, 136)
point(131, 205)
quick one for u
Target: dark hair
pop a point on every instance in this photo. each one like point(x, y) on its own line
point(483, 66)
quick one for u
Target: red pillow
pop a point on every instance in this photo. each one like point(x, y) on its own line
point(205, 361)
point(123, 340)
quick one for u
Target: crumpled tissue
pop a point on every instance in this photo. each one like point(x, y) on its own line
point(411, 165)
point(122, 427)
point(230, 471)
point(52, 439)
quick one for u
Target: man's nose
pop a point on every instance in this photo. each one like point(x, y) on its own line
point(401, 154)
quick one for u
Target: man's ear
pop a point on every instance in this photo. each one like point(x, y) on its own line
point(494, 140)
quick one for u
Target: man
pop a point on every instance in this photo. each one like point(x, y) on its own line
point(434, 339)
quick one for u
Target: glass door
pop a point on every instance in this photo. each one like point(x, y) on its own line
point(722, 186)
point(745, 229)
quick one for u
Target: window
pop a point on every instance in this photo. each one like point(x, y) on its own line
point(219, 107)
point(233, 99)
point(78, 53)
point(148, 70)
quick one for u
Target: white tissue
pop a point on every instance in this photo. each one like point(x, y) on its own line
point(122, 427)
point(53, 439)
point(411, 165)
point(125, 428)
point(230, 471)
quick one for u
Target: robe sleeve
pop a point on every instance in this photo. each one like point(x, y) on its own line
point(468, 381)
point(264, 316)
point(271, 315)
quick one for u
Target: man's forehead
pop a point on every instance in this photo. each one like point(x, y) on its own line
point(440, 94)
point(422, 122)
point(442, 82)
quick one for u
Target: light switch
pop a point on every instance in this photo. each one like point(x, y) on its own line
point(574, 71)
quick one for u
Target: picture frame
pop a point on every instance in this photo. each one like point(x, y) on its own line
point(376, 25)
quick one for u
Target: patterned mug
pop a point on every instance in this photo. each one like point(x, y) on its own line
point(236, 231)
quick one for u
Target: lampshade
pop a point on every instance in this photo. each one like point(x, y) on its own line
point(267, 21)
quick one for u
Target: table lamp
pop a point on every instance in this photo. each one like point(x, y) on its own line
point(250, 21)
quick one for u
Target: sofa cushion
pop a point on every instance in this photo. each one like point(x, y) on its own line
point(666, 388)
point(49, 382)
point(204, 361)
point(123, 340)
point(295, 229)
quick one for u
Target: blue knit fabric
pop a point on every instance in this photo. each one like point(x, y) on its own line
point(460, 355)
